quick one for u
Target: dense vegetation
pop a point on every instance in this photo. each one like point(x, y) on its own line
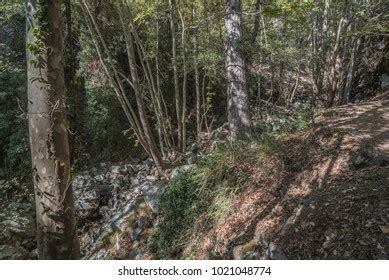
point(148, 79)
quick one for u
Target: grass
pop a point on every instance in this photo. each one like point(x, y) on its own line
point(195, 201)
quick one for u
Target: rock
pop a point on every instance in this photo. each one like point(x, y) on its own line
point(275, 253)
point(100, 178)
point(384, 79)
point(134, 181)
point(148, 163)
point(151, 178)
point(194, 148)
point(18, 223)
point(116, 169)
point(152, 193)
point(101, 254)
point(130, 169)
point(87, 199)
point(8, 252)
point(252, 256)
point(139, 256)
point(181, 169)
point(136, 234)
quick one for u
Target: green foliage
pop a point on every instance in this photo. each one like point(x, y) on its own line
point(106, 126)
point(180, 207)
point(14, 152)
point(198, 199)
point(303, 116)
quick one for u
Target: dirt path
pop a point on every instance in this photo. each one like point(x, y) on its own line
point(343, 185)
point(367, 123)
point(326, 198)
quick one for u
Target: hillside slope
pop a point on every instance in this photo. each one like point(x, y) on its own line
point(327, 197)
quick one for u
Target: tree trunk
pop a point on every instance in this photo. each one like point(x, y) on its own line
point(256, 20)
point(238, 102)
point(197, 86)
point(175, 73)
point(55, 211)
point(350, 73)
point(184, 82)
point(153, 149)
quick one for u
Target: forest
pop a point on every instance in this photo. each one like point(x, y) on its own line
point(194, 129)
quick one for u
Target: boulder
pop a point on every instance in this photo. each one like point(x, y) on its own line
point(87, 199)
point(19, 223)
point(152, 193)
point(8, 252)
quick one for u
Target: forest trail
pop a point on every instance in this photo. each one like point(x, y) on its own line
point(329, 199)
point(367, 122)
point(348, 183)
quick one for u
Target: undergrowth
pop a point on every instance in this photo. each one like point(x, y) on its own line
point(198, 199)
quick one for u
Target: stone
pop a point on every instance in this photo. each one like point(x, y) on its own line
point(19, 223)
point(275, 253)
point(252, 256)
point(100, 178)
point(116, 169)
point(148, 163)
point(134, 181)
point(8, 252)
point(151, 178)
point(87, 199)
point(194, 148)
point(101, 254)
point(384, 79)
point(136, 234)
point(130, 169)
point(152, 194)
point(181, 169)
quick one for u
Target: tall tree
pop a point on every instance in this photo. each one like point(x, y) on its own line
point(55, 211)
point(238, 102)
point(140, 125)
point(178, 101)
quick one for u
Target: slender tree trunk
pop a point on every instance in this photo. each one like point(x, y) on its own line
point(334, 75)
point(141, 128)
point(175, 73)
point(238, 101)
point(322, 49)
point(256, 21)
point(350, 73)
point(55, 211)
point(197, 88)
point(184, 83)
point(158, 81)
point(153, 149)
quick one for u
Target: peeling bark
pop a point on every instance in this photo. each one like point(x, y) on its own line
point(56, 217)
